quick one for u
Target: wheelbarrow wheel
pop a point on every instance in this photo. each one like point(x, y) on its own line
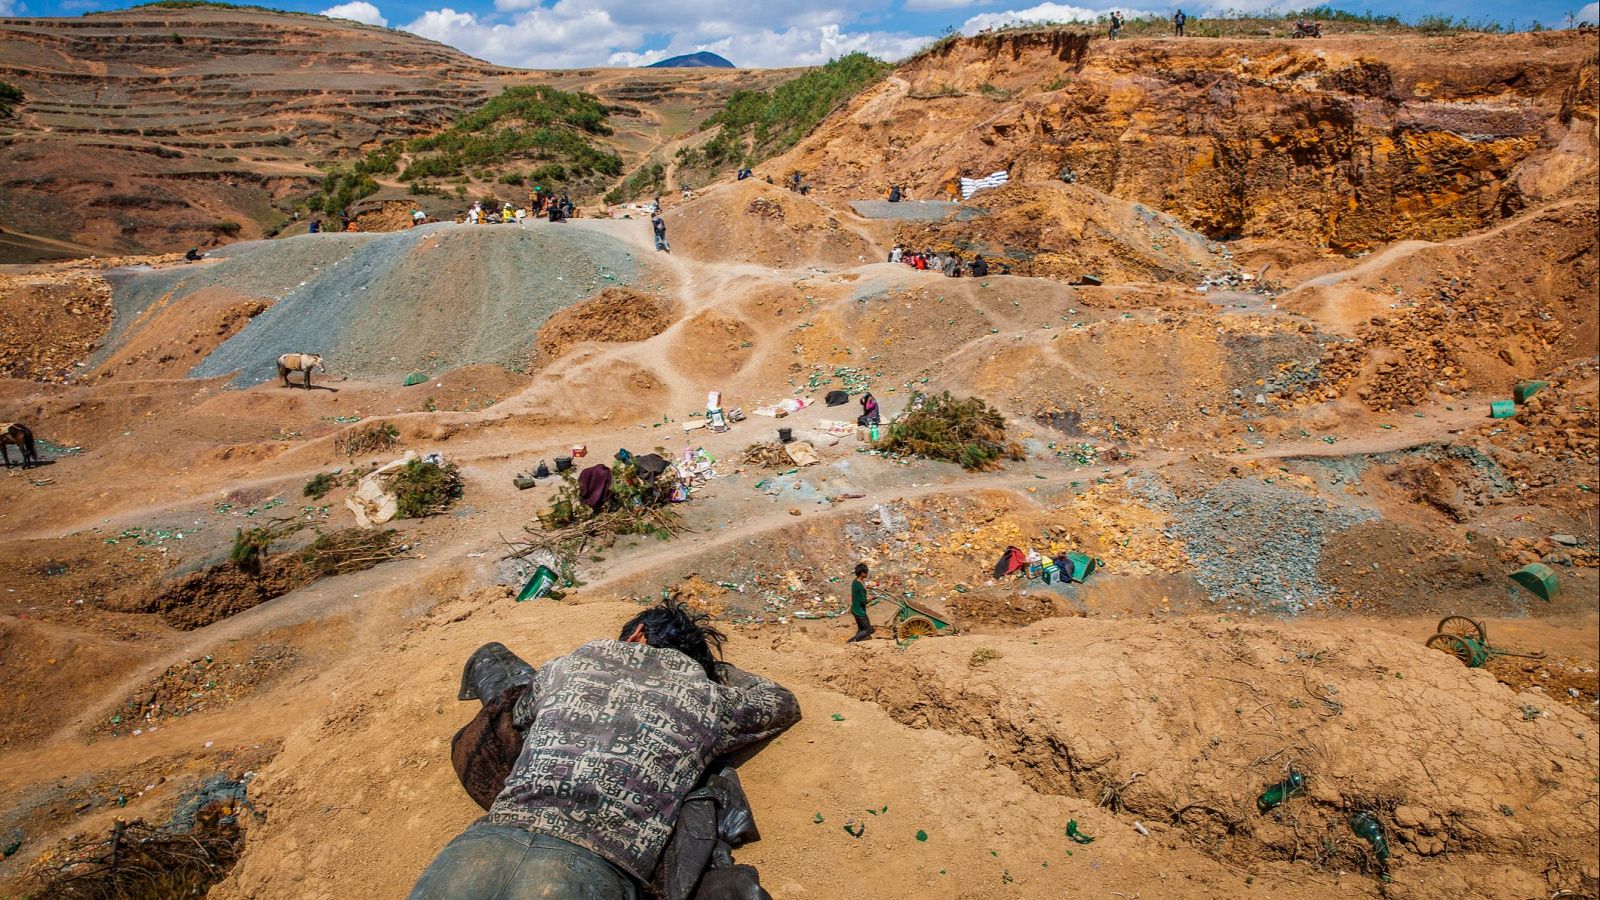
point(915, 627)
point(1465, 627)
point(1470, 652)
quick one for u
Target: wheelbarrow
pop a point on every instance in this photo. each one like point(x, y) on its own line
point(1468, 640)
point(913, 621)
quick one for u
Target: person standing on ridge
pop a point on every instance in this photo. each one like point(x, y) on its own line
point(659, 225)
point(1178, 21)
point(858, 605)
point(1116, 24)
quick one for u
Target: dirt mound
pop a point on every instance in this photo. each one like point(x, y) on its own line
point(1062, 231)
point(202, 684)
point(391, 215)
point(171, 338)
point(1190, 737)
point(200, 598)
point(751, 221)
point(50, 322)
point(615, 315)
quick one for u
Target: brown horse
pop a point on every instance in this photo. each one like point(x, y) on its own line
point(18, 434)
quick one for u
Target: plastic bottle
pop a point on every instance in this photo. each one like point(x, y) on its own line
point(1276, 795)
point(1367, 827)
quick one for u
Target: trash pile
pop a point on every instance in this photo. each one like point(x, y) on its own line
point(1233, 281)
point(768, 455)
point(851, 379)
point(713, 418)
point(784, 407)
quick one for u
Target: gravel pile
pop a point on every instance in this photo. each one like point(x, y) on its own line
point(380, 306)
point(905, 210)
point(1260, 545)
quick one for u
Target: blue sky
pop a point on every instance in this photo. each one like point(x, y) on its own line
point(573, 33)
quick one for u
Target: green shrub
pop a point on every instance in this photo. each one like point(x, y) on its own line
point(368, 438)
point(526, 122)
point(969, 432)
point(10, 96)
point(425, 488)
point(319, 485)
point(643, 181)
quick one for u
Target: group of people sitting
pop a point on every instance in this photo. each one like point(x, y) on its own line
point(948, 263)
point(543, 205)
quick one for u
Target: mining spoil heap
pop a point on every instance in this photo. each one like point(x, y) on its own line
point(1247, 352)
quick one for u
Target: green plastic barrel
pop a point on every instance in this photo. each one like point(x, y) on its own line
point(1538, 578)
point(1502, 409)
point(415, 378)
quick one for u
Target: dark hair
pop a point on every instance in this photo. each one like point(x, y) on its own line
point(671, 626)
point(861, 569)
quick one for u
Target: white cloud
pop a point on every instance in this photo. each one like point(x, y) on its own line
point(1044, 12)
point(1250, 7)
point(9, 8)
point(558, 37)
point(943, 4)
point(576, 33)
point(1590, 13)
point(357, 11)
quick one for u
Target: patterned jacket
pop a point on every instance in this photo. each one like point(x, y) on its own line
point(618, 734)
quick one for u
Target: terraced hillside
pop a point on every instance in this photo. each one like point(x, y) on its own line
point(156, 129)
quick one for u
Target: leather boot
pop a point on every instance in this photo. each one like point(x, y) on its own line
point(490, 671)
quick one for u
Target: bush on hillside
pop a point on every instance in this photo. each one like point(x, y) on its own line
point(526, 122)
point(645, 181)
point(969, 432)
point(425, 488)
point(10, 96)
point(757, 125)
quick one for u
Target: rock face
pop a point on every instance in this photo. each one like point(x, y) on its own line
point(1347, 143)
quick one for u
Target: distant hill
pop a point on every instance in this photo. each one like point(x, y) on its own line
point(705, 59)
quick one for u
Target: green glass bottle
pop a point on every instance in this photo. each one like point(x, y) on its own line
point(1276, 795)
point(1367, 827)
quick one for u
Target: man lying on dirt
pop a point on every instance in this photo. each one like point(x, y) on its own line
point(616, 734)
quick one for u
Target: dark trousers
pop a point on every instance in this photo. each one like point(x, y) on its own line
point(863, 629)
point(503, 862)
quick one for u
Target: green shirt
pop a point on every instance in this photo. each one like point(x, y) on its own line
point(858, 598)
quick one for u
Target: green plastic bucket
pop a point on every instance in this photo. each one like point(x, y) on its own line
point(540, 584)
point(415, 378)
point(1539, 579)
point(1526, 389)
point(1502, 409)
point(1083, 565)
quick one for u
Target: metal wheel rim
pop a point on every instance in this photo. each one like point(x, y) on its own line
point(1464, 627)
